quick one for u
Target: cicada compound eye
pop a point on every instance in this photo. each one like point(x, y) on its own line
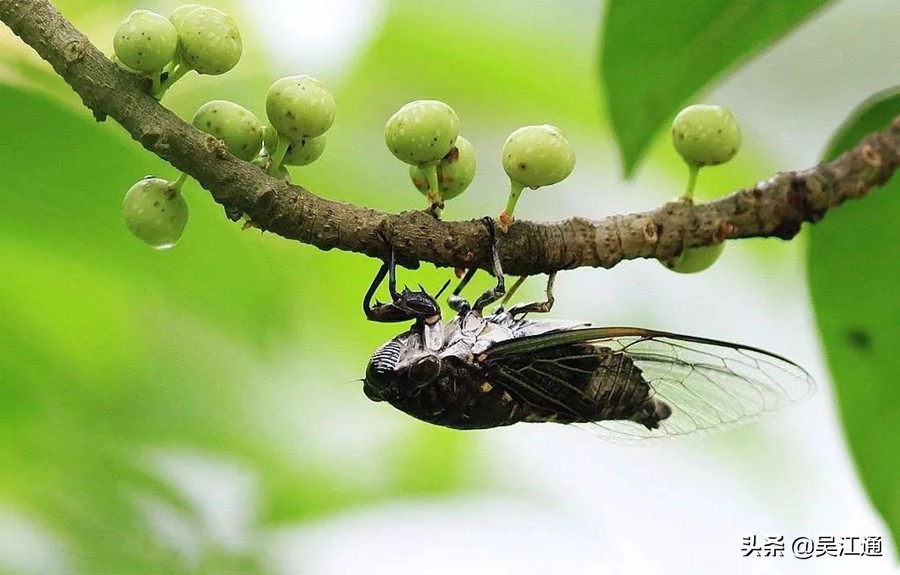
point(425, 369)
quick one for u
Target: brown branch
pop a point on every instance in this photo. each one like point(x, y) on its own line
point(774, 208)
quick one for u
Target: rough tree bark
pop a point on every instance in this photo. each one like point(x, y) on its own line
point(776, 207)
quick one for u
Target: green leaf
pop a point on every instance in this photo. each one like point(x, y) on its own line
point(853, 276)
point(656, 55)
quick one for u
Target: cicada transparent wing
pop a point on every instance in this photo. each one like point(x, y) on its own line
point(707, 384)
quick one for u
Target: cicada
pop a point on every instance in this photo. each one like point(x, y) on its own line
point(483, 370)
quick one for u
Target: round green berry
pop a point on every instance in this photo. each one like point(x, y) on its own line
point(156, 212)
point(422, 131)
point(693, 260)
point(300, 107)
point(233, 124)
point(455, 171)
point(706, 135)
point(145, 41)
point(304, 152)
point(179, 13)
point(210, 40)
point(536, 156)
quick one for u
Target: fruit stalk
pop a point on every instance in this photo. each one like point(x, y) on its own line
point(177, 73)
point(178, 182)
point(693, 171)
point(435, 201)
point(278, 157)
point(515, 190)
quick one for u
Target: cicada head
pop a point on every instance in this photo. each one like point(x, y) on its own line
point(400, 366)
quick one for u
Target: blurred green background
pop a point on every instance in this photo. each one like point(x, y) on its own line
point(200, 410)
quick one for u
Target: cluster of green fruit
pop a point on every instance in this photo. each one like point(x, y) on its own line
point(299, 108)
point(194, 37)
point(703, 135)
point(425, 135)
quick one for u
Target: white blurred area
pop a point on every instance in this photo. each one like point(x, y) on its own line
point(558, 499)
point(326, 34)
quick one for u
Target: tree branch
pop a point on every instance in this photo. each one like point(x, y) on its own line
point(776, 207)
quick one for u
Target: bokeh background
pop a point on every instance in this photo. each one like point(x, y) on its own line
point(200, 410)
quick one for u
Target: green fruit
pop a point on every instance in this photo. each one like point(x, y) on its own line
point(536, 156)
point(156, 212)
point(304, 152)
point(210, 40)
point(145, 41)
point(455, 171)
point(706, 135)
point(300, 107)
point(233, 124)
point(179, 13)
point(693, 260)
point(270, 139)
point(119, 63)
point(422, 131)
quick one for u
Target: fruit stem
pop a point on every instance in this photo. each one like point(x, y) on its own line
point(178, 182)
point(435, 201)
point(177, 73)
point(156, 82)
point(278, 157)
point(515, 190)
point(692, 182)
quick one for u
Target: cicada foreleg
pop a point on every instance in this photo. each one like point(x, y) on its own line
point(375, 313)
point(403, 306)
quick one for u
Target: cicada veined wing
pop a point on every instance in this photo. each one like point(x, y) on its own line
point(707, 384)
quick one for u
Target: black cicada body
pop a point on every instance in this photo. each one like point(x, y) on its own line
point(480, 371)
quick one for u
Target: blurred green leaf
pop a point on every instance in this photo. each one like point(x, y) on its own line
point(656, 55)
point(853, 278)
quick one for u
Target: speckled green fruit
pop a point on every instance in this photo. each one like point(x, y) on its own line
point(179, 13)
point(209, 39)
point(300, 107)
point(155, 212)
point(422, 131)
point(304, 152)
point(536, 156)
point(693, 260)
point(145, 41)
point(706, 135)
point(455, 171)
point(233, 124)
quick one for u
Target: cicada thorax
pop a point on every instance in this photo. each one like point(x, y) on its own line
point(577, 384)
